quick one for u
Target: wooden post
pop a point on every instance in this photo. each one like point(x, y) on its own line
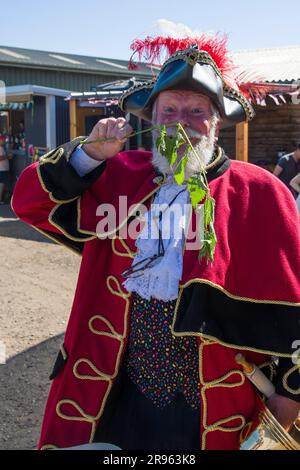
point(241, 141)
point(73, 119)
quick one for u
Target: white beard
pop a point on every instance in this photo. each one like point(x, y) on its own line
point(197, 159)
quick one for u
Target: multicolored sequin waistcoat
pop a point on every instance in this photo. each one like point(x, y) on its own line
point(160, 364)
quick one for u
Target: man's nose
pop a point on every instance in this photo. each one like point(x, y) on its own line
point(183, 118)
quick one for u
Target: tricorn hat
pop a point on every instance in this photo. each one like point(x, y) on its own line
point(201, 64)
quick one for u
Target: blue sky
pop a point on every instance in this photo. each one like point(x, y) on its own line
point(106, 28)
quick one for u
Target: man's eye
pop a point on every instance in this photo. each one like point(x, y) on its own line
point(197, 111)
point(169, 110)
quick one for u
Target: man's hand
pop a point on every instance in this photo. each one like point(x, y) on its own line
point(284, 410)
point(110, 128)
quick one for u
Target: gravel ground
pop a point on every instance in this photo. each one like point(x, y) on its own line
point(38, 279)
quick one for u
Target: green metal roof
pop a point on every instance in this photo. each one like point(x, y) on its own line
point(15, 56)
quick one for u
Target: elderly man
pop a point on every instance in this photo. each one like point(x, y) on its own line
point(149, 356)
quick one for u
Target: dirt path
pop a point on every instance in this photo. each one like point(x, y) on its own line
point(38, 280)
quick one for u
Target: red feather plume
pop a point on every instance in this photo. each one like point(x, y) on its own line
point(157, 50)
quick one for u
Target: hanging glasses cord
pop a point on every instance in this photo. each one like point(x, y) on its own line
point(137, 269)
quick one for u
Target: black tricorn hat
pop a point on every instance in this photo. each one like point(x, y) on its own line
point(203, 67)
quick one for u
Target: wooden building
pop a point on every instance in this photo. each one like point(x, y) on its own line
point(87, 108)
point(274, 131)
point(276, 127)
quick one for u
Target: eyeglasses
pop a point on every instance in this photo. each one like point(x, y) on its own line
point(137, 269)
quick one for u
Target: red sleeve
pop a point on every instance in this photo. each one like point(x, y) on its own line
point(47, 194)
point(30, 202)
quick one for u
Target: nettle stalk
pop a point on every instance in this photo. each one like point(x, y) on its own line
point(197, 184)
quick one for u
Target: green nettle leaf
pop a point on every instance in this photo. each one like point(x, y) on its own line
point(197, 195)
point(204, 252)
point(197, 185)
point(171, 149)
point(179, 173)
point(213, 243)
point(196, 190)
point(161, 141)
point(180, 138)
point(209, 244)
point(168, 145)
point(209, 211)
point(173, 144)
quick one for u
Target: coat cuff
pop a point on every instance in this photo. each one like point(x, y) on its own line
point(82, 163)
point(60, 179)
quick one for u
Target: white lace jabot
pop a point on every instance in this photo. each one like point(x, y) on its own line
point(161, 280)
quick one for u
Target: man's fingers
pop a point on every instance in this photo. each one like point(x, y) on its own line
point(111, 127)
point(124, 132)
point(100, 129)
point(121, 121)
point(121, 130)
point(115, 128)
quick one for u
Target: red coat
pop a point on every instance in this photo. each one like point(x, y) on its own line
point(253, 282)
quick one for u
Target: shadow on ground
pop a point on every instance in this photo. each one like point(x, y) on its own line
point(12, 227)
point(24, 386)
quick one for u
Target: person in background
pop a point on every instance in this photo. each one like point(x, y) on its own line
point(19, 138)
point(295, 184)
point(288, 167)
point(4, 170)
